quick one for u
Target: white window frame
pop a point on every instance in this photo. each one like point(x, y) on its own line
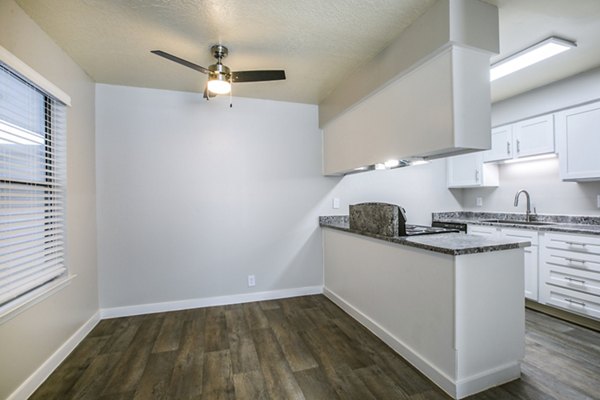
point(25, 301)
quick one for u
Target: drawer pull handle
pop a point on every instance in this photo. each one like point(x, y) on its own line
point(580, 303)
point(576, 244)
point(575, 280)
point(575, 260)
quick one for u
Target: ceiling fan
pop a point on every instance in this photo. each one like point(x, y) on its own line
point(220, 77)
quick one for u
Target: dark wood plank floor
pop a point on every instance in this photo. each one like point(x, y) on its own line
point(299, 348)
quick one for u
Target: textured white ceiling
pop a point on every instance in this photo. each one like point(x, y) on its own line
point(317, 42)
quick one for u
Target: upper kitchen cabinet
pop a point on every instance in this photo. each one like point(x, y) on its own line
point(502, 144)
point(578, 133)
point(425, 96)
point(469, 170)
point(530, 137)
point(534, 136)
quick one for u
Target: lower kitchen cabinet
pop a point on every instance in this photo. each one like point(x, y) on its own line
point(531, 259)
point(570, 273)
point(531, 252)
point(561, 270)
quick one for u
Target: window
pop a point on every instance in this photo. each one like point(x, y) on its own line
point(32, 188)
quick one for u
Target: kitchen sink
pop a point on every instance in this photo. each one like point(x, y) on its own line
point(508, 221)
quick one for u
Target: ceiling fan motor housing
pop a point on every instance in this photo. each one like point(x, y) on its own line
point(219, 71)
point(219, 51)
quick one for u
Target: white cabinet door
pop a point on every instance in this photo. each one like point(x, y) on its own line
point(534, 136)
point(531, 137)
point(531, 259)
point(468, 170)
point(502, 144)
point(531, 271)
point(578, 132)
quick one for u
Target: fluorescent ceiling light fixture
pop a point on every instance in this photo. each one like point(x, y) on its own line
point(531, 55)
point(360, 168)
point(532, 158)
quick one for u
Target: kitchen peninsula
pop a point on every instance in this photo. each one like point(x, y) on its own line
point(451, 304)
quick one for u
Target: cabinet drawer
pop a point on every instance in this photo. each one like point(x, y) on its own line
point(570, 278)
point(571, 259)
point(578, 243)
point(531, 236)
point(482, 230)
point(571, 300)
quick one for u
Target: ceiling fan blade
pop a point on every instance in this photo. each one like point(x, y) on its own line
point(257, 76)
point(180, 61)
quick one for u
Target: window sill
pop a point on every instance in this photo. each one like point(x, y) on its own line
point(13, 309)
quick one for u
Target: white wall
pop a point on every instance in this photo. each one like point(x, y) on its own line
point(541, 178)
point(194, 196)
point(548, 193)
point(27, 340)
point(420, 189)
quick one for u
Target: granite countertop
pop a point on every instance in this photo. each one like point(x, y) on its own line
point(558, 223)
point(455, 244)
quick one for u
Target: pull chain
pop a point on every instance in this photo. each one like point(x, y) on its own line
point(230, 92)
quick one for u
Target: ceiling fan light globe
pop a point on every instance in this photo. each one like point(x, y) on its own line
point(218, 86)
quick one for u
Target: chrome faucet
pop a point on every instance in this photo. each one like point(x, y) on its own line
point(528, 211)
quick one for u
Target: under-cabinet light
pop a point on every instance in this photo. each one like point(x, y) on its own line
point(531, 55)
point(419, 162)
point(391, 164)
point(379, 166)
point(532, 158)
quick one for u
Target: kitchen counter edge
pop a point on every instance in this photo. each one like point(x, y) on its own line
point(555, 227)
point(454, 244)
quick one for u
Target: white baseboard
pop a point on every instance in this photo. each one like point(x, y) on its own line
point(127, 311)
point(43, 372)
point(488, 379)
point(456, 389)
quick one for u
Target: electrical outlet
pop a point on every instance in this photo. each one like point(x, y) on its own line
point(251, 280)
point(479, 201)
point(336, 202)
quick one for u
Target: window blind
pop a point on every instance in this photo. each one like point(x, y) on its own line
point(32, 187)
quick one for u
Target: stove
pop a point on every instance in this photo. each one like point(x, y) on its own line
point(388, 220)
point(414, 230)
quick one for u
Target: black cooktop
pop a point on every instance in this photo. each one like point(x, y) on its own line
point(414, 230)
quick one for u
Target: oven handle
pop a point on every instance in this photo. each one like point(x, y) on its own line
point(450, 225)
